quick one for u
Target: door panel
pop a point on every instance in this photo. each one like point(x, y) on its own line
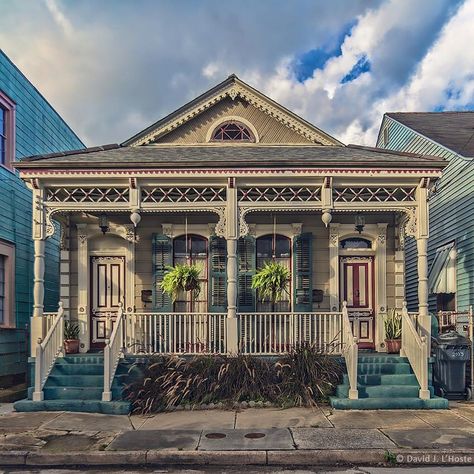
point(107, 291)
point(357, 289)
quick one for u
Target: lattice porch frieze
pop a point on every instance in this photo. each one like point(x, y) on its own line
point(279, 193)
point(375, 194)
point(176, 194)
point(87, 194)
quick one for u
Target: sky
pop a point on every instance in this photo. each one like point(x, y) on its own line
point(113, 67)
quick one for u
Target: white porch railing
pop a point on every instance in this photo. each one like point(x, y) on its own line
point(350, 352)
point(276, 333)
point(176, 333)
point(47, 352)
point(113, 351)
point(48, 321)
point(415, 348)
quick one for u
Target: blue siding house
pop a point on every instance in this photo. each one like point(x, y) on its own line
point(28, 126)
point(449, 135)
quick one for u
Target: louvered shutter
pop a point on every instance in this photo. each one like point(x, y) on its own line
point(303, 270)
point(162, 258)
point(246, 261)
point(217, 275)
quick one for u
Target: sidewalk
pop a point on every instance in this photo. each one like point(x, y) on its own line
point(255, 436)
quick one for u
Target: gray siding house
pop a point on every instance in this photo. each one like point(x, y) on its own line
point(449, 135)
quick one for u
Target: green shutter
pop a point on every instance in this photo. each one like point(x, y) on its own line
point(303, 273)
point(162, 258)
point(217, 275)
point(246, 254)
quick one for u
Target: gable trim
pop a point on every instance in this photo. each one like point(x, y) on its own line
point(233, 88)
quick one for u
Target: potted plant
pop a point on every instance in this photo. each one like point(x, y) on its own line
point(393, 331)
point(271, 282)
point(71, 337)
point(181, 278)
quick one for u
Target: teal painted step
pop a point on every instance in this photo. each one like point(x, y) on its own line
point(382, 391)
point(384, 379)
point(118, 407)
point(76, 384)
point(384, 382)
point(436, 403)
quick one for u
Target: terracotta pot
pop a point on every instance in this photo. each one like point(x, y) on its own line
point(71, 346)
point(393, 345)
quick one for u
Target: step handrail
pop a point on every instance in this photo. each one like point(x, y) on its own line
point(113, 351)
point(350, 352)
point(47, 351)
point(415, 349)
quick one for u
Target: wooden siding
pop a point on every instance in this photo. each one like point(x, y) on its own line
point(451, 212)
point(269, 129)
point(39, 129)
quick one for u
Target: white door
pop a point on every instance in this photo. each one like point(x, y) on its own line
point(107, 290)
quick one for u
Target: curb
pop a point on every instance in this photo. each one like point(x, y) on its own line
point(234, 458)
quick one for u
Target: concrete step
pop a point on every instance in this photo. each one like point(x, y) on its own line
point(79, 380)
point(382, 359)
point(89, 406)
point(81, 359)
point(77, 369)
point(387, 368)
point(382, 391)
point(435, 403)
point(384, 379)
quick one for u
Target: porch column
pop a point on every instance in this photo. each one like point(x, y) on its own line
point(83, 287)
point(39, 240)
point(232, 234)
point(37, 322)
point(422, 234)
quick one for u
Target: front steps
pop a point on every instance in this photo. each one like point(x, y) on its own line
point(76, 384)
point(384, 382)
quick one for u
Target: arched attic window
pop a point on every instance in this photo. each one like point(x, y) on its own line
point(232, 131)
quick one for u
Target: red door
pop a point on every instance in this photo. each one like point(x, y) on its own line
point(358, 290)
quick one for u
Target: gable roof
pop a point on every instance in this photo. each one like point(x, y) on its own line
point(231, 87)
point(453, 130)
point(248, 156)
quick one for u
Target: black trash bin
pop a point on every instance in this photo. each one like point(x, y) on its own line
point(451, 352)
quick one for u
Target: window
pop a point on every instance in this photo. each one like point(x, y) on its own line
point(7, 130)
point(356, 243)
point(232, 131)
point(442, 273)
point(275, 248)
point(385, 136)
point(192, 249)
point(7, 276)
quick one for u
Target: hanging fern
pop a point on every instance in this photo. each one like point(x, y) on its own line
point(271, 282)
point(180, 278)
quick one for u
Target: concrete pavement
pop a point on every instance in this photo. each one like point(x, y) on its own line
point(255, 436)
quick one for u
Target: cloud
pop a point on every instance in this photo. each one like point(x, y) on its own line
point(113, 68)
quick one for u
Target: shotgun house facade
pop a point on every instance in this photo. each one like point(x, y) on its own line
point(28, 125)
point(451, 247)
point(229, 181)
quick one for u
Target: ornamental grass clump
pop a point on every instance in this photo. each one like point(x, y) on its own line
point(307, 375)
point(181, 278)
point(271, 282)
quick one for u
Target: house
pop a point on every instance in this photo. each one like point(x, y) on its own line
point(449, 135)
point(230, 181)
point(28, 126)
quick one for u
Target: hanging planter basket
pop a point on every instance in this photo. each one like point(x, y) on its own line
point(181, 278)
